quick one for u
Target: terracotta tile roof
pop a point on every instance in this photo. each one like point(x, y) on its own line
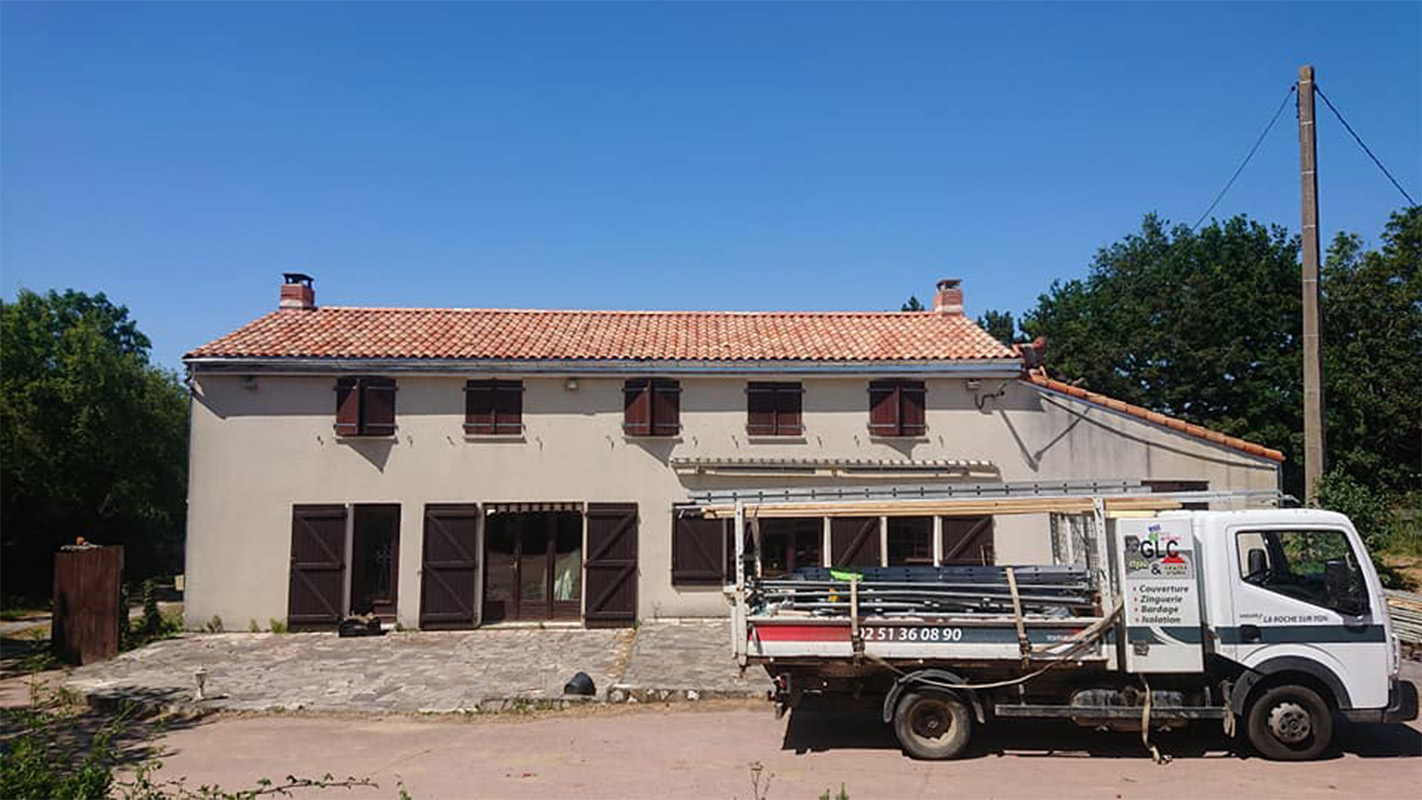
point(1040, 378)
point(494, 334)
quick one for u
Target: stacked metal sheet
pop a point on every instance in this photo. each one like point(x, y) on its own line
point(928, 591)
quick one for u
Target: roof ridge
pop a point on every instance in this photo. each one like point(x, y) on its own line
point(627, 312)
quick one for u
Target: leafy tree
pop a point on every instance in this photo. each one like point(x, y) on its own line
point(1372, 355)
point(93, 438)
point(913, 304)
point(1000, 324)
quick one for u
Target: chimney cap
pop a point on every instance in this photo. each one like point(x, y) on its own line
point(297, 278)
point(950, 283)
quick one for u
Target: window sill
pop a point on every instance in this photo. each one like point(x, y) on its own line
point(367, 437)
point(649, 438)
point(495, 437)
point(798, 438)
point(874, 437)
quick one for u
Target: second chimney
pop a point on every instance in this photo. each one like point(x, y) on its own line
point(297, 291)
point(949, 299)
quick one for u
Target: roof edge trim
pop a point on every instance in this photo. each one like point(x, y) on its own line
point(975, 368)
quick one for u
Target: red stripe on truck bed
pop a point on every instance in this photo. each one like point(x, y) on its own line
point(801, 633)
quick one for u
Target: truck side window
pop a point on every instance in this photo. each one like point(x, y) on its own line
point(1316, 566)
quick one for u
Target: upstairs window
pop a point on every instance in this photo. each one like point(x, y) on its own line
point(365, 407)
point(651, 407)
point(896, 408)
point(493, 408)
point(773, 409)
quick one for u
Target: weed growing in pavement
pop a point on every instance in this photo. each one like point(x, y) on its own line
point(757, 770)
point(277, 625)
point(843, 794)
point(143, 786)
point(213, 625)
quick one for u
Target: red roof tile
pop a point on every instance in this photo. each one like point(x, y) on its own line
point(1040, 378)
point(653, 335)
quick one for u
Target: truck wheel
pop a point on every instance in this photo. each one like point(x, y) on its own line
point(1290, 723)
point(932, 724)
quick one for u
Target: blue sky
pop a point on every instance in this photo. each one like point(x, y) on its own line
point(579, 155)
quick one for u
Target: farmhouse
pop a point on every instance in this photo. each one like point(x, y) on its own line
point(449, 468)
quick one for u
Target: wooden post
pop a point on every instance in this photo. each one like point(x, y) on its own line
point(1314, 453)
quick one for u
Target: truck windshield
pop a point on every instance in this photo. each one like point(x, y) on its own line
point(1298, 563)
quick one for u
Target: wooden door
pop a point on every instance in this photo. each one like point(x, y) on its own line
point(450, 567)
point(318, 546)
point(611, 565)
point(854, 541)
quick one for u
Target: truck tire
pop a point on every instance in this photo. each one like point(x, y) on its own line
point(932, 724)
point(1290, 723)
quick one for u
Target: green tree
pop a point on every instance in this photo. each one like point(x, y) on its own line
point(913, 304)
point(93, 438)
point(1372, 355)
point(1000, 324)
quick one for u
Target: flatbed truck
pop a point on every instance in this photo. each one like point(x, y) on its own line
point(1269, 621)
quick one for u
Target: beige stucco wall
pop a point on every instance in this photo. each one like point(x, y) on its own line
point(259, 448)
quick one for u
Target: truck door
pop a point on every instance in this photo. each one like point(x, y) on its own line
point(1302, 592)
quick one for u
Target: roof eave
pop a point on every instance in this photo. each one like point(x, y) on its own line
point(964, 368)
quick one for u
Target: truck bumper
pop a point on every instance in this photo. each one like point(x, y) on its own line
point(1401, 706)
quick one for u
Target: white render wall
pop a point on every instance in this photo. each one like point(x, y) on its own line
point(258, 449)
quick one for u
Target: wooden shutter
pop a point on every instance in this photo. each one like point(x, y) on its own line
point(508, 408)
point(318, 547)
point(884, 408)
point(377, 406)
point(479, 408)
point(854, 541)
point(787, 409)
point(967, 540)
point(610, 590)
point(666, 408)
point(637, 407)
point(912, 396)
point(760, 409)
point(347, 407)
point(450, 569)
point(698, 555)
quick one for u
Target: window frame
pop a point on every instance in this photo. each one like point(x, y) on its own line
point(898, 408)
point(785, 408)
point(1363, 590)
point(482, 400)
point(356, 403)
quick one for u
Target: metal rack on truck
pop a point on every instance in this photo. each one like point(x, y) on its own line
point(1270, 620)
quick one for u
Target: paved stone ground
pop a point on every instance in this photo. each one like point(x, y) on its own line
point(686, 659)
point(494, 669)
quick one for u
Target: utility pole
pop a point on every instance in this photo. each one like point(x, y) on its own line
point(1313, 362)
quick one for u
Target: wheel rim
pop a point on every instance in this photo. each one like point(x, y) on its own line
point(1290, 723)
point(930, 720)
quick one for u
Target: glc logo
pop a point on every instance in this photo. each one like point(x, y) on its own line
point(1166, 548)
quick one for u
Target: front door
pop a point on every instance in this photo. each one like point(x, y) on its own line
point(534, 562)
point(375, 551)
point(1303, 591)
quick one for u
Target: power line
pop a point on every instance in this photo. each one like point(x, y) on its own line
point(1250, 155)
point(1359, 140)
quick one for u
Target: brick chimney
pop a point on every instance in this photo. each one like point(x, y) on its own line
point(297, 292)
point(949, 299)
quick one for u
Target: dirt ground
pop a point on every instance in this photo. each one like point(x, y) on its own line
point(709, 751)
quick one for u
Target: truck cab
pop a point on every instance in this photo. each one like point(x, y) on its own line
point(1296, 620)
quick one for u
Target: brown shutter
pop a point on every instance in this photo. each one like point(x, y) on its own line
point(479, 408)
point(666, 408)
point(318, 547)
point(854, 541)
point(347, 407)
point(697, 550)
point(637, 407)
point(967, 540)
point(760, 409)
point(508, 407)
point(450, 569)
point(787, 409)
point(610, 589)
point(912, 396)
point(884, 408)
point(377, 406)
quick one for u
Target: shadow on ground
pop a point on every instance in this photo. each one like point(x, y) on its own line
point(811, 729)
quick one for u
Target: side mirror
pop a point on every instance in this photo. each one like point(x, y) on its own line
point(1258, 564)
point(1342, 592)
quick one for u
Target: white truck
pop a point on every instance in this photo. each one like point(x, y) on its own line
point(1269, 620)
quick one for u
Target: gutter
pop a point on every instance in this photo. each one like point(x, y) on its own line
point(462, 367)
